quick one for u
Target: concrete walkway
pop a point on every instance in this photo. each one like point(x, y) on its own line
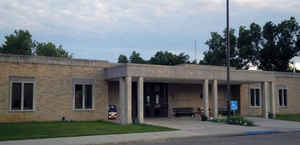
point(188, 127)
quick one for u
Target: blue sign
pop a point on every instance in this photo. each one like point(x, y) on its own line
point(234, 105)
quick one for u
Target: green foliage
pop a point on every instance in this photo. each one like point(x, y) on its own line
point(136, 58)
point(204, 118)
point(248, 45)
point(160, 58)
point(19, 42)
point(168, 58)
point(289, 117)
point(239, 120)
point(281, 43)
point(34, 130)
point(270, 48)
point(216, 55)
point(234, 120)
point(50, 49)
point(122, 59)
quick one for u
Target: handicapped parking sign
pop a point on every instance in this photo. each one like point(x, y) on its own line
point(234, 105)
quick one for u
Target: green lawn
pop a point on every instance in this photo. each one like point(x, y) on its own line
point(34, 130)
point(289, 117)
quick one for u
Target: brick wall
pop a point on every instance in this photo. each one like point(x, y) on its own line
point(53, 91)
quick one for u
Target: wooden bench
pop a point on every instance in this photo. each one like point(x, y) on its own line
point(183, 111)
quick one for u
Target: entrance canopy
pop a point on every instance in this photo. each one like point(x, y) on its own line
point(208, 76)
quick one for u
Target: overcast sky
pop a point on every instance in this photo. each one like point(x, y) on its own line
point(103, 29)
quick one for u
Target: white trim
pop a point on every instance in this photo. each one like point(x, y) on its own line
point(22, 80)
point(84, 82)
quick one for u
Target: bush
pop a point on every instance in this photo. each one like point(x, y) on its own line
point(204, 118)
point(238, 120)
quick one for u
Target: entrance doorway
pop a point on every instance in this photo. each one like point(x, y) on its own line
point(156, 100)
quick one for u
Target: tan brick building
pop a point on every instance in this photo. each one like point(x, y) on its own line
point(49, 89)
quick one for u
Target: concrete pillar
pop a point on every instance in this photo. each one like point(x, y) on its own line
point(215, 98)
point(128, 90)
point(125, 100)
point(140, 99)
point(122, 100)
point(272, 99)
point(205, 98)
point(265, 100)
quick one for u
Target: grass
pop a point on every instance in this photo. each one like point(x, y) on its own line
point(35, 130)
point(289, 117)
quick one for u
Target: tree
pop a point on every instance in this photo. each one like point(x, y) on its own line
point(19, 42)
point(50, 49)
point(280, 45)
point(270, 48)
point(122, 59)
point(136, 58)
point(216, 55)
point(167, 58)
point(249, 45)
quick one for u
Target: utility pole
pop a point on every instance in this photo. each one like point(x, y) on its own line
point(228, 93)
point(195, 48)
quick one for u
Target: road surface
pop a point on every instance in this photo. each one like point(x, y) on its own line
point(271, 139)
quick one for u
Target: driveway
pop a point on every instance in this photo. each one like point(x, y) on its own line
point(280, 125)
point(195, 126)
point(200, 128)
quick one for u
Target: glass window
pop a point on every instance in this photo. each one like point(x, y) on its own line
point(282, 97)
point(285, 97)
point(16, 95)
point(83, 96)
point(257, 99)
point(21, 91)
point(28, 96)
point(88, 96)
point(78, 97)
point(254, 97)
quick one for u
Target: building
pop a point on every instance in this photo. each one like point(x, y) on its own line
point(36, 88)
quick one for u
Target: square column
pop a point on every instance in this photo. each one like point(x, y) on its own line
point(140, 99)
point(125, 100)
point(215, 98)
point(272, 99)
point(265, 100)
point(205, 98)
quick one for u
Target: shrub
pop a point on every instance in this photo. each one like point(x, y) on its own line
point(204, 118)
point(238, 120)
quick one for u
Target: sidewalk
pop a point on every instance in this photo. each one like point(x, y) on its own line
point(188, 128)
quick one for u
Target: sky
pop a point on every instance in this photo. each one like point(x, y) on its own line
point(104, 29)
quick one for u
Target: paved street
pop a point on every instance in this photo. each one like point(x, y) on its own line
point(274, 139)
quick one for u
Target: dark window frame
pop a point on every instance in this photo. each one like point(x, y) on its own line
point(84, 83)
point(254, 100)
point(283, 97)
point(22, 106)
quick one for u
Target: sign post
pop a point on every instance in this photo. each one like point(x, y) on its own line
point(234, 106)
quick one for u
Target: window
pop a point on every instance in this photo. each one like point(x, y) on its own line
point(254, 97)
point(282, 97)
point(83, 95)
point(21, 94)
